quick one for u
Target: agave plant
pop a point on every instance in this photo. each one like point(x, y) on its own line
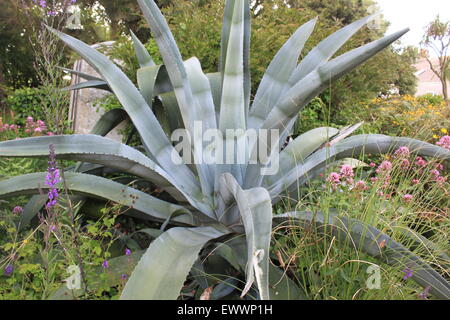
point(227, 206)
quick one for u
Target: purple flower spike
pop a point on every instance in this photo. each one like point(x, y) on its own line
point(9, 269)
point(105, 264)
point(52, 178)
point(127, 251)
point(124, 276)
point(408, 273)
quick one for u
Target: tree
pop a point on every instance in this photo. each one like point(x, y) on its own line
point(437, 38)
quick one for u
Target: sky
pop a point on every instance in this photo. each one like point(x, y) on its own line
point(415, 14)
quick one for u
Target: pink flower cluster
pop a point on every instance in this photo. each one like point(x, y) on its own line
point(345, 177)
point(444, 142)
point(401, 158)
point(32, 128)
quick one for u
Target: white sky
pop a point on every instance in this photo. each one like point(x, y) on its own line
point(415, 14)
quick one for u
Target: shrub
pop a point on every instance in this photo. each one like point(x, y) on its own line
point(426, 118)
point(26, 102)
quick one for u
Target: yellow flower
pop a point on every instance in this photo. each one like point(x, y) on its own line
point(25, 241)
point(443, 130)
point(435, 136)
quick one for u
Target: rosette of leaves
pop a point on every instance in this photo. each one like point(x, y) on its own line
point(225, 207)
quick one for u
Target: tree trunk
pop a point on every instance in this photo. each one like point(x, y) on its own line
point(445, 89)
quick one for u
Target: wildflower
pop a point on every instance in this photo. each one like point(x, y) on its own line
point(30, 119)
point(444, 131)
point(105, 264)
point(347, 171)
point(361, 185)
point(405, 164)
point(440, 180)
point(50, 133)
point(9, 269)
point(17, 210)
point(435, 173)
point(372, 165)
point(385, 166)
point(52, 178)
point(407, 197)
point(374, 179)
point(124, 276)
point(402, 152)
point(444, 142)
point(38, 129)
point(408, 273)
point(127, 252)
point(334, 178)
point(415, 181)
point(420, 162)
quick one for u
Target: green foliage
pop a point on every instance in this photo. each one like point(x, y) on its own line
point(425, 117)
point(27, 102)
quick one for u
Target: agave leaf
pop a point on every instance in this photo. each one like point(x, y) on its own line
point(101, 188)
point(316, 81)
point(319, 55)
point(256, 212)
point(246, 56)
point(202, 96)
point(151, 132)
point(82, 74)
point(201, 90)
point(146, 78)
point(233, 101)
point(96, 149)
point(170, 103)
point(215, 82)
point(144, 58)
point(298, 150)
point(163, 268)
point(33, 206)
point(282, 287)
point(419, 240)
point(108, 121)
point(91, 84)
point(326, 49)
point(172, 59)
point(232, 110)
point(367, 238)
point(275, 80)
point(352, 147)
